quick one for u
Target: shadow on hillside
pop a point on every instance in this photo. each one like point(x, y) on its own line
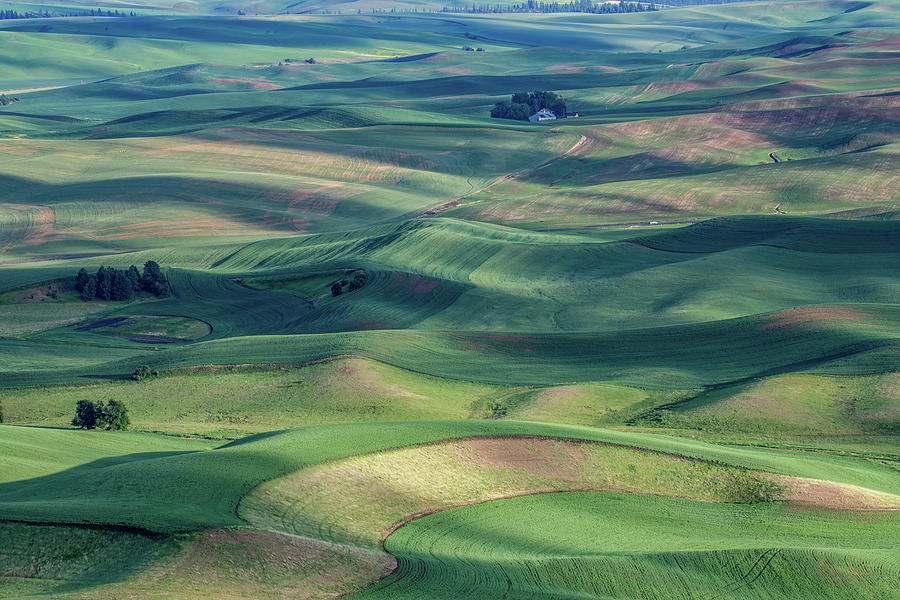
point(92, 466)
point(254, 438)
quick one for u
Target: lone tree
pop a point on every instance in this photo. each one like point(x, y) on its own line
point(87, 414)
point(143, 372)
point(115, 416)
point(336, 289)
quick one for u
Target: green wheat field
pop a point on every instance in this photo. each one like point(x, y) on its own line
point(399, 349)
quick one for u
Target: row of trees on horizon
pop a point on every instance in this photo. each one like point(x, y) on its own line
point(576, 6)
point(47, 14)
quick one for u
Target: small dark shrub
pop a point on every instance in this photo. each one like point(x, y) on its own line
point(143, 372)
point(744, 487)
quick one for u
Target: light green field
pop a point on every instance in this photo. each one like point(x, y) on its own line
point(648, 352)
point(103, 492)
point(238, 402)
point(611, 545)
point(216, 480)
point(35, 452)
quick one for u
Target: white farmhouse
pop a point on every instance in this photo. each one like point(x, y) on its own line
point(542, 115)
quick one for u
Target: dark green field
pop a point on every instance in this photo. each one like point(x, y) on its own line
point(407, 350)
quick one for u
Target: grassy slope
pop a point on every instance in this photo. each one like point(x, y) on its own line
point(36, 452)
point(795, 404)
point(54, 560)
point(359, 500)
point(241, 402)
point(583, 544)
point(336, 512)
point(376, 141)
point(440, 275)
point(199, 490)
point(843, 414)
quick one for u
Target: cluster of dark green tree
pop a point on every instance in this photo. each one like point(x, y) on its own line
point(524, 104)
point(111, 416)
point(121, 284)
point(358, 280)
point(47, 14)
point(579, 6)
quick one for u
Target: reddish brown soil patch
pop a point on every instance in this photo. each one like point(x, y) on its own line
point(812, 316)
point(422, 285)
point(565, 69)
point(254, 84)
point(41, 293)
point(505, 338)
point(471, 345)
point(270, 565)
point(538, 456)
point(827, 494)
point(454, 70)
point(365, 325)
point(311, 201)
point(416, 284)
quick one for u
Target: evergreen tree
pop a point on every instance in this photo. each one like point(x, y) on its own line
point(81, 280)
point(104, 283)
point(134, 277)
point(121, 286)
point(153, 280)
point(89, 291)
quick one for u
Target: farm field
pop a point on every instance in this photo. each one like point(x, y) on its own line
point(399, 348)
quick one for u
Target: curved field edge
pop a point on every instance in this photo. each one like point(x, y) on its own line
point(351, 504)
point(360, 500)
point(202, 489)
point(596, 544)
